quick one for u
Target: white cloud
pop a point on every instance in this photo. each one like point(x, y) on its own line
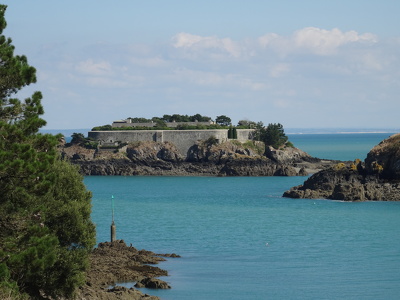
point(101, 74)
point(326, 42)
point(199, 43)
point(94, 68)
point(309, 40)
point(314, 41)
point(268, 39)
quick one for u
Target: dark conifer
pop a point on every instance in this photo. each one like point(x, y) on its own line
point(45, 227)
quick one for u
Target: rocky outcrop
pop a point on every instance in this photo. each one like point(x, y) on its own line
point(152, 151)
point(378, 178)
point(152, 283)
point(286, 155)
point(205, 158)
point(385, 158)
point(113, 262)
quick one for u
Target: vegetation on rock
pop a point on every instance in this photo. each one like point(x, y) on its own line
point(45, 228)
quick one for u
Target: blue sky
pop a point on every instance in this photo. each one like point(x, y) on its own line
point(304, 64)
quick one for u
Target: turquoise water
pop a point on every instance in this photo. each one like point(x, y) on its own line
point(239, 239)
point(338, 146)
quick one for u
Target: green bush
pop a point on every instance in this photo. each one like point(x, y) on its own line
point(289, 144)
point(102, 128)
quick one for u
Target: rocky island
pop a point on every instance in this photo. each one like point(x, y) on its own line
point(181, 145)
point(377, 178)
point(204, 158)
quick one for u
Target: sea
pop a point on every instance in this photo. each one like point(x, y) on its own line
point(238, 238)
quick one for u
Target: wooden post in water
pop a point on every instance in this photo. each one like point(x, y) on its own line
point(113, 232)
point(113, 227)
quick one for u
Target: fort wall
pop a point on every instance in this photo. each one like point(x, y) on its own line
point(182, 139)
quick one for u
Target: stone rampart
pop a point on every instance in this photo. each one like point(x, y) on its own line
point(182, 139)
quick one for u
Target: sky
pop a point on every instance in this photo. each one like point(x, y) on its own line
point(304, 64)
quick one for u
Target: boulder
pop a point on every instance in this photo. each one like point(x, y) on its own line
point(286, 171)
point(286, 155)
point(152, 283)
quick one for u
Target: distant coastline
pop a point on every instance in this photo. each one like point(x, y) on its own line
point(340, 130)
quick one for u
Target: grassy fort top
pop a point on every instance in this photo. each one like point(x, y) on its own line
point(168, 122)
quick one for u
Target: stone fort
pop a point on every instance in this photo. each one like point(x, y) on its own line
point(182, 139)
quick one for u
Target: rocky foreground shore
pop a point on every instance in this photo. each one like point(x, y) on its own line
point(115, 262)
point(163, 159)
point(377, 178)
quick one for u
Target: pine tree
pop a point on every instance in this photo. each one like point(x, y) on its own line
point(45, 227)
point(274, 135)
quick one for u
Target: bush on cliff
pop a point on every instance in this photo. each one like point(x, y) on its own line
point(272, 135)
point(45, 227)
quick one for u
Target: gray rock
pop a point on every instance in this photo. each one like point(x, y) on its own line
point(203, 159)
point(152, 283)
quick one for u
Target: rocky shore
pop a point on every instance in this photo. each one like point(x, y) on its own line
point(163, 159)
point(115, 262)
point(377, 178)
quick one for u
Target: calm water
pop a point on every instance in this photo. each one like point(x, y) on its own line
point(240, 240)
point(338, 146)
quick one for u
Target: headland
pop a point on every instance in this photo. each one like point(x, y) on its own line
point(377, 178)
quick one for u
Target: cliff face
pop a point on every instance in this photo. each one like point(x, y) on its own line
point(204, 158)
point(378, 178)
point(385, 158)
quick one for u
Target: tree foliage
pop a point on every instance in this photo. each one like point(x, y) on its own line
point(45, 227)
point(247, 124)
point(223, 120)
point(272, 135)
point(185, 118)
point(275, 135)
point(77, 138)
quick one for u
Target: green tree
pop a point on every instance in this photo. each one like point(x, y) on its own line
point(78, 138)
point(258, 132)
point(103, 128)
point(274, 135)
point(45, 227)
point(223, 120)
point(139, 120)
point(160, 124)
point(167, 118)
point(199, 118)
